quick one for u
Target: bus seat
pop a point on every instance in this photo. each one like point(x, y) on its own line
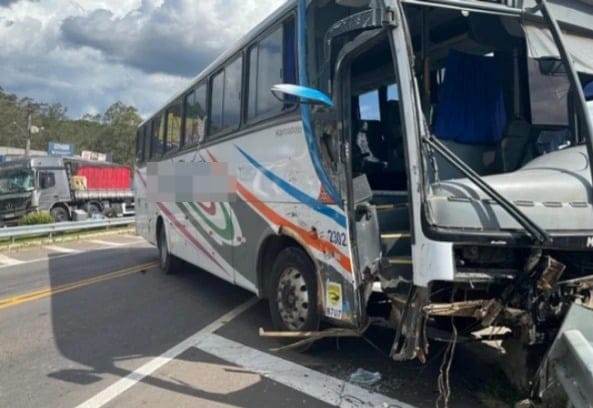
point(393, 136)
point(376, 140)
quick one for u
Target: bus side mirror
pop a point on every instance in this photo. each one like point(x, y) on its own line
point(302, 94)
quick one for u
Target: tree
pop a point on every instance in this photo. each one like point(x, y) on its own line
point(119, 135)
point(111, 132)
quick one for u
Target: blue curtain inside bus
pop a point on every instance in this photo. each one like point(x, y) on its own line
point(471, 107)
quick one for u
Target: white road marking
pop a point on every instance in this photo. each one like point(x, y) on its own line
point(65, 254)
point(147, 369)
point(310, 382)
point(323, 387)
point(106, 243)
point(7, 261)
point(61, 249)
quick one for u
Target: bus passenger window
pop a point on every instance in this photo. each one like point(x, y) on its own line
point(140, 145)
point(146, 134)
point(272, 61)
point(174, 126)
point(369, 106)
point(195, 115)
point(232, 95)
point(158, 137)
point(216, 103)
point(225, 107)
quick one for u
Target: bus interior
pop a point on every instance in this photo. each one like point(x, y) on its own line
point(483, 95)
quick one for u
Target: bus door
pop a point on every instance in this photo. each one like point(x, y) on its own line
point(367, 94)
point(379, 117)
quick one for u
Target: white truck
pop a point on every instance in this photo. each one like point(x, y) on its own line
point(61, 185)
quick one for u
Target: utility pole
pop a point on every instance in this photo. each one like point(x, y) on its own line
point(28, 145)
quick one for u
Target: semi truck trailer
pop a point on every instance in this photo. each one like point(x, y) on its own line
point(61, 185)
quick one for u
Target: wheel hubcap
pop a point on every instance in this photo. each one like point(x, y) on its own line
point(293, 298)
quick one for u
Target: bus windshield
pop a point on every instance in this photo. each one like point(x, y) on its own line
point(497, 95)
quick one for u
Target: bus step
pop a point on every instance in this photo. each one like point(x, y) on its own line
point(394, 268)
point(394, 219)
point(397, 243)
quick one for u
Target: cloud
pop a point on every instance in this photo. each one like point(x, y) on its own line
point(7, 3)
point(178, 37)
point(89, 54)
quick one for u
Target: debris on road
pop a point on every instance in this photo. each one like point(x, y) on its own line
point(362, 376)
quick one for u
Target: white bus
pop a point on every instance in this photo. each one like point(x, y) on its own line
point(432, 153)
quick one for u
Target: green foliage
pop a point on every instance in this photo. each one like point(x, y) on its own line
point(36, 218)
point(112, 132)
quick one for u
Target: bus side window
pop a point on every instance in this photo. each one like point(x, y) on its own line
point(271, 61)
point(147, 139)
point(225, 105)
point(158, 137)
point(195, 115)
point(216, 103)
point(140, 145)
point(173, 126)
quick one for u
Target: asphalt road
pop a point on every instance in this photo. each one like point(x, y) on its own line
point(96, 323)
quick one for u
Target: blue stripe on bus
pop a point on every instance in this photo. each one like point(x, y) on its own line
point(296, 193)
point(305, 112)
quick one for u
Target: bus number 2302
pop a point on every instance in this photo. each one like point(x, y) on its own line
point(337, 237)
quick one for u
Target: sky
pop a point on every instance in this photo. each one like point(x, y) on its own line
point(88, 54)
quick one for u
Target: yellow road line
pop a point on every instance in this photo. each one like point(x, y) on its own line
point(42, 293)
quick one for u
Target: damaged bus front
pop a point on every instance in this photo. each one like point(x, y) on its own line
point(462, 148)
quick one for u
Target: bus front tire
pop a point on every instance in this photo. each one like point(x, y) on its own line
point(168, 262)
point(293, 292)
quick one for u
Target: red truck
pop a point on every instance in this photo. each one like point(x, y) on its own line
point(62, 185)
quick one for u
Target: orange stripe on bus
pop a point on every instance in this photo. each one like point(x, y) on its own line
point(307, 236)
point(275, 218)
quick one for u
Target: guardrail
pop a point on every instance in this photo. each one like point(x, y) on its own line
point(49, 229)
point(573, 364)
point(569, 363)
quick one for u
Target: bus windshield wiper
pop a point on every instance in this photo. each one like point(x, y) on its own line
point(537, 232)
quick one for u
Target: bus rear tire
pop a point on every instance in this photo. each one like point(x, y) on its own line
point(293, 292)
point(168, 263)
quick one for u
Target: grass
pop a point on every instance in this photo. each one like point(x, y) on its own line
point(36, 218)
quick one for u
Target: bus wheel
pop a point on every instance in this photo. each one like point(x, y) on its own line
point(59, 214)
point(168, 262)
point(293, 296)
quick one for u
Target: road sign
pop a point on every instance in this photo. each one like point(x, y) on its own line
point(88, 155)
point(60, 149)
